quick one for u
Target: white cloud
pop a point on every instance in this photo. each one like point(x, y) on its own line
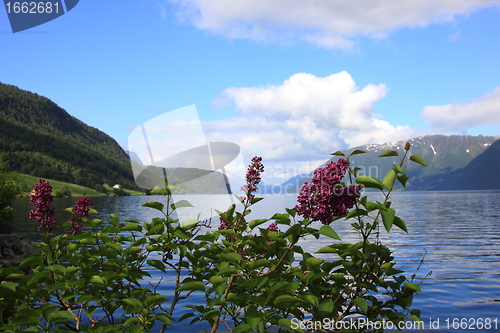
point(330, 24)
point(484, 110)
point(304, 119)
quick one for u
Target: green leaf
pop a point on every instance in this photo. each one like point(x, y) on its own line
point(389, 153)
point(8, 285)
point(389, 180)
point(398, 222)
point(338, 153)
point(228, 271)
point(131, 227)
point(189, 223)
point(258, 263)
point(355, 171)
point(356, 212)
point(155, 205)
point(413, 287)
point(232, 257)
point(163, 318)
point(230, 212)
point(181, 204)
point(361, 303)
point(327, 249)
point(134, 305)
point(33, 259)
point(328, 232)
point(313, 262)
point(96, 279)
point(255, 200)
point(397, 169)
point(243, 328)
point(157, 264)
point(59, 315)
point(192, 285)
point(311, 299)
point(418, 159)
point(403, 178)
point(217, 280)
point(287, 299)
point(291, 211)
point(357, 152)
point(87, 241)
point(34, 277)
point(369, 182)
point(256, 223)
point(326, 307)
point(185, 316)
point(388, 215)
point(56, 269)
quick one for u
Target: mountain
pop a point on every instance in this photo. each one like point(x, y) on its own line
point(443, 154)
point(482, 173)
point(39, 138)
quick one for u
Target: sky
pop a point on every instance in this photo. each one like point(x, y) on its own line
point(289, 80)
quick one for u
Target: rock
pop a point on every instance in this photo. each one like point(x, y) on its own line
point(13, 249)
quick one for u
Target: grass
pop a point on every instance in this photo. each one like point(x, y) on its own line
point(131, 192)
point(76, 190)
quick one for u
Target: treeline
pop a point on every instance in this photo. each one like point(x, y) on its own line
point(39, 138)
point(197, 181)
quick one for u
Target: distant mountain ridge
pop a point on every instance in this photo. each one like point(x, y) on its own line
point(482, 173)
point(444, 154)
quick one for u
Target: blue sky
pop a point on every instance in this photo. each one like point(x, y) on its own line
point(291, 81)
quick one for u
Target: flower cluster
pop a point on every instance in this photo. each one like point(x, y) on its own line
point(81, 211)
point(321, 199)
point(273, 227)
point(43, 212)
point(253, 176)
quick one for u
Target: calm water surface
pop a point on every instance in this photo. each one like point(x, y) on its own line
point(456, 233)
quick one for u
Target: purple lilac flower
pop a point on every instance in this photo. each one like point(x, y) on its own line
point(81, 211)
point(320, 200)
point(272, 227)
point(43, 212)
point(253, 177)
point(224, 225)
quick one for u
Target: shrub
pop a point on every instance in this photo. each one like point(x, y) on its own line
point(92, 276)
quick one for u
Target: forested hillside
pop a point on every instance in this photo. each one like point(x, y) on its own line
point(39, 138)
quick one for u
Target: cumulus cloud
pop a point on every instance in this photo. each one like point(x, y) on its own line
point(484, 110)
point(330, 24)
point(304, 119)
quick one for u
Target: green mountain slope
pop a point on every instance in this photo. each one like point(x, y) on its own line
point(39, 138)
point(443, 154)
point(482, 173)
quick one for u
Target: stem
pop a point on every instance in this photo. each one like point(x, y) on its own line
point(226, 292)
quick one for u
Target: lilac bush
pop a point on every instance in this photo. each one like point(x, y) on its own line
point(323, 199)
point(43, 212)
point(81, 211)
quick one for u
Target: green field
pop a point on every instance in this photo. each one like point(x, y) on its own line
point(76, 190)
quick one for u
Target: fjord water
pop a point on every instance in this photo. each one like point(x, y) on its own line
point(457, 234)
